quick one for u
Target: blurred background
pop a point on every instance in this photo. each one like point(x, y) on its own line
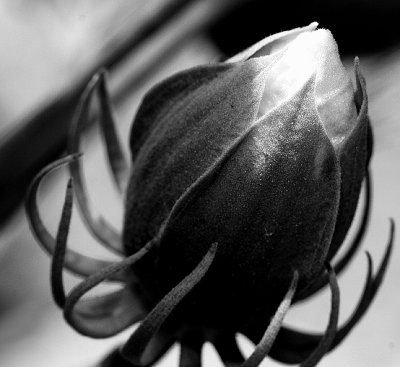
point(50, 49)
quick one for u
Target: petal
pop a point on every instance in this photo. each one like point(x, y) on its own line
point(182, 127)
point(361, 100)
point(334, 91)
point(350, 251)
point(252, 201)
point(353, 155)
point(314, 53)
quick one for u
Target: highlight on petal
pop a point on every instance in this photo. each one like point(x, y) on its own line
point(75, 262)
point(308, 54)
point(96, 223)
point(136, 348)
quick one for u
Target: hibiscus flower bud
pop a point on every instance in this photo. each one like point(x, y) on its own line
point(244, 180)
point(264, 155)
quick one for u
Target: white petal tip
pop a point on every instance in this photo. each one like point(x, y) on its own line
point(313, 26)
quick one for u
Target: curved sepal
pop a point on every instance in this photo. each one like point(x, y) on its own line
point(293, 346)
point(101, 229)
point(138, 348)
point(104, 316)
point(75, 262)
point(264, 345)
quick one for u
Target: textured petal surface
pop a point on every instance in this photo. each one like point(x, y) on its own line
point(182, 127)
point(271, 204)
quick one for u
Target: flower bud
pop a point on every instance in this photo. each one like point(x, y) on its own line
point(264, 155)
point(244, 180)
